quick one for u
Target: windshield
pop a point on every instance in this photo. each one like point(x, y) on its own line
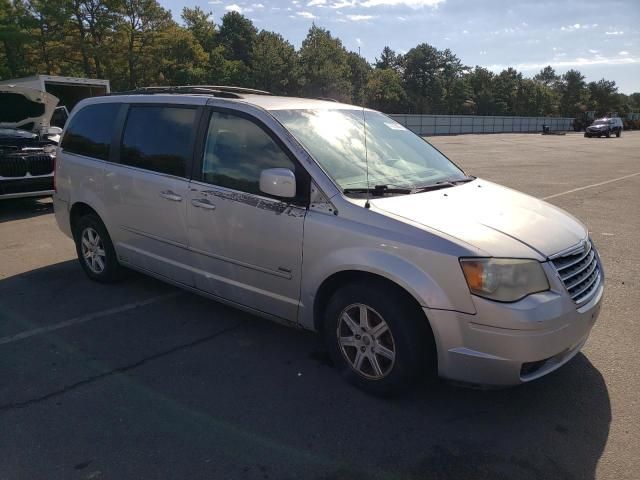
point(603, 122)
point(396, 156)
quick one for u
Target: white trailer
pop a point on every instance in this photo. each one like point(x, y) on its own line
point(69, 90)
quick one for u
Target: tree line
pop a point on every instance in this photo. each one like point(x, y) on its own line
point(136, 43)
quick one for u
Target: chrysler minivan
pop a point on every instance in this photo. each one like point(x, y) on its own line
point(331, 218)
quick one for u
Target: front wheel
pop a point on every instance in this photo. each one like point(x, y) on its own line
point(379, 341)
point(618, 133)
point(95, 250)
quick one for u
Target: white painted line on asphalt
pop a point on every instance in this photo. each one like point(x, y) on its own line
point(85, 318)
point(590, 186)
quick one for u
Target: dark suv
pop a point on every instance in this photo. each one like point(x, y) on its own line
point(604, 126)
point(27, 142)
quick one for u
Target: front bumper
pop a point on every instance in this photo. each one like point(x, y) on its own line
point(512, 343)
point(26, 187)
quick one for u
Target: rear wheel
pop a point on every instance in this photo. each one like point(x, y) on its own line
point(95, 250)
point(378, 340)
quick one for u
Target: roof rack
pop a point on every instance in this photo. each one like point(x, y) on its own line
point(214, 90)
point(232, 89)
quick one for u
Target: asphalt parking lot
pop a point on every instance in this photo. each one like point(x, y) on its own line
point(140, 380)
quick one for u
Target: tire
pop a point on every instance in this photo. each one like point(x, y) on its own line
point(403, 352)
point(95, 250)
point(587, 135)
point(618, 133)
point(608, 134)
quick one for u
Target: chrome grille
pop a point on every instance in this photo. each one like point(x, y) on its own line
point(13, 166)
point(579, 271)
point(17, 165)
point(40, 164)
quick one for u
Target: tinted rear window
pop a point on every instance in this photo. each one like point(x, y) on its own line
point(159, 138)
point(90, 130)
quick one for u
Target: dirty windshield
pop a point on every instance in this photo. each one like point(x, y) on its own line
point(396, 156)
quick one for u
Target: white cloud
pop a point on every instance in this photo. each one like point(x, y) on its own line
point(465, 31)
point(615, 32)
point(407, 3)
point(358, 41)
point(316, 3)
point(215, 2)
point(257, 5)
point(577, 62)
point(343, 4)
point(308, 15)
point(234, 7)
point(360, 18)
point(593, 51)
point(623, 52)
point(578, 26)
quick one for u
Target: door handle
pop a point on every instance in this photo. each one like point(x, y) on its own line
point(203, 203)
point(169, 195)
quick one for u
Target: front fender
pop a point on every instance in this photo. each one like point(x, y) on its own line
point(417, 282)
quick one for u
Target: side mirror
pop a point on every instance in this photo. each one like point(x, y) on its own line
point(54, 131)
point(279, 182)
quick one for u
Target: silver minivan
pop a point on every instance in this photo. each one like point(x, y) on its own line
point(331, 218)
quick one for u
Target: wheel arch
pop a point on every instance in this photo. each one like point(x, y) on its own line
point(79, 210)
point(337, 280)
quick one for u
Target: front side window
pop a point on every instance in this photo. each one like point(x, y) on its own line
point(237, 150)
point(91, 130)
point(396, 157)
point(158, 138)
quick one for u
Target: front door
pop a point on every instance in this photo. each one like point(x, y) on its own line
point(246, 246)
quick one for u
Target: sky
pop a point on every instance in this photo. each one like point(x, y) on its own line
point(600, 38)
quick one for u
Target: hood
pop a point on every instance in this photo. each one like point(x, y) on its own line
point(11, 133)
point(497, 220)
point(25, 108)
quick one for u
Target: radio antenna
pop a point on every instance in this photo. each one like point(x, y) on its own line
point(367, 204)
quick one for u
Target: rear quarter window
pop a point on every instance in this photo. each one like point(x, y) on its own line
point(90, 131)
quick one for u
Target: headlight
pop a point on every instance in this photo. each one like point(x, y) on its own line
point(504, 279)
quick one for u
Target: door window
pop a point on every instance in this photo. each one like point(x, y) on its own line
point(91, 129)
point(237, 150)
point(159, 139)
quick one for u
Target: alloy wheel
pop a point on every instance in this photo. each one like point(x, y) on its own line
point(366, 341)
point(93, 251)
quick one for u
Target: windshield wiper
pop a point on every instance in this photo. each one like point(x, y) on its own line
point(379, 190)
point(442, 184)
